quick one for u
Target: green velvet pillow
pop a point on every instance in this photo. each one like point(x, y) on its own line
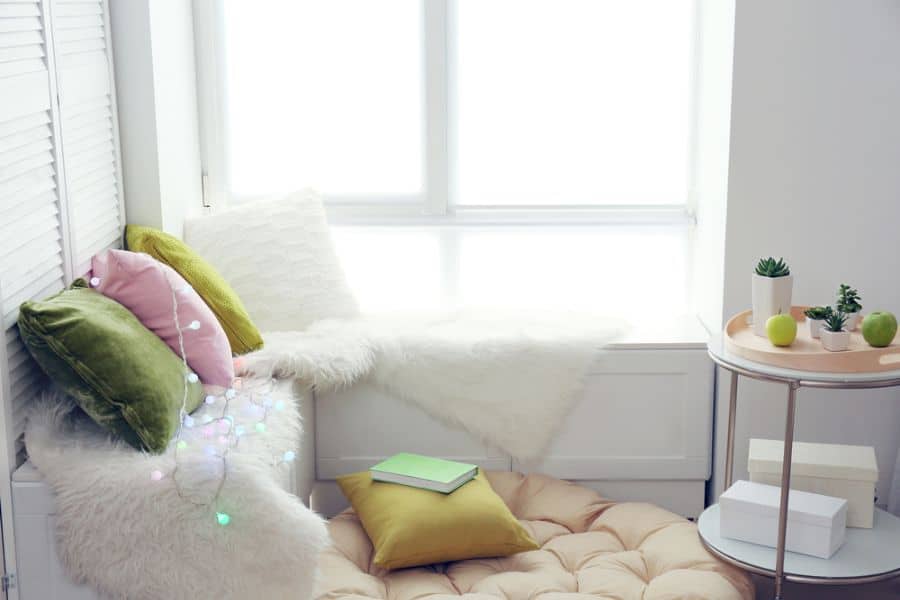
point(216, 292)
point(120, 373)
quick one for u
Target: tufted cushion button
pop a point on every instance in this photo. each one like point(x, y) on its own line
point(590, 548)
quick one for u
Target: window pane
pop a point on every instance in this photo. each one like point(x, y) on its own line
point(324, 93)
point(573, 101)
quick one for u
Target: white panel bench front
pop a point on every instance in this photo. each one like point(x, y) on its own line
point(642, 431)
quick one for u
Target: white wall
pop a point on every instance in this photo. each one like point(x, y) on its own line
point(814, 176)
point(153, 43)
point(709, 189)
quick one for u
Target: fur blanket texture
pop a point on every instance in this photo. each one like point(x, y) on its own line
point(508, 379)
point(109, 506)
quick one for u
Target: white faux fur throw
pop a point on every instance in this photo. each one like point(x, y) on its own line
point(131, 537)
point(509, 379)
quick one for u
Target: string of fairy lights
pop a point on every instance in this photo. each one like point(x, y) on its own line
point(211, 438)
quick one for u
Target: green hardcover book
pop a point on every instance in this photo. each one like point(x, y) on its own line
point(424, 472)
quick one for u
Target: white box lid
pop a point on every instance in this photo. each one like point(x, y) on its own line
point(828, 461)
point(803, 507)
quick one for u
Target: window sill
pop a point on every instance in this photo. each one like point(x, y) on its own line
point(682, 332)
point(638, 273)
point(400, 215)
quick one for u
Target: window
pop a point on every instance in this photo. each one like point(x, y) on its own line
point(531, 153)
point(449, 106)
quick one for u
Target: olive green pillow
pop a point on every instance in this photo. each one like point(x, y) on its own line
point(219, 296)
point(411, 527)
point(120, 373)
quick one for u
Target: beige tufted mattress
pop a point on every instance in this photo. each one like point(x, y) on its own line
point(590, 548)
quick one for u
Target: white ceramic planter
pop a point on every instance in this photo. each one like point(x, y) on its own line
point(835, 341)
point(853, 320)
point(771, 295)
point(814, 326)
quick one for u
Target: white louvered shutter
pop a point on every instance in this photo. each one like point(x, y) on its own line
point(32, 242)
point(88, 128)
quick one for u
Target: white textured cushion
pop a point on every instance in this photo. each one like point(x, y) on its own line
point(279, 257)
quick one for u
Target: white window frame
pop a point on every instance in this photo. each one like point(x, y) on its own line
point(436, 205)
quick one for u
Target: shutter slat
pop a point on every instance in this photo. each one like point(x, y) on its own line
point(49, 264)
point(32, 162)
point(22, 67)
point(64, 22)
point(99, 104)
point(96, 207)
point(39, 287)
point(88, 127)
point(77, 9)
point(27, 241)
point(17, 233)
point(76, 47)
point(18, 357)
point(17, 214)
point(20, 10)
point(24, 123)
point(24, 153)
point(14, 39)
point(91, 174)
point(104, 234)
point(89, 188)
point(20, 24)
point(92, 32)
point(102, 153)
point(90, 141)
point(23, 389)
point(21, 52)
point(29, 183)
point(48, 253)
point(24, 138)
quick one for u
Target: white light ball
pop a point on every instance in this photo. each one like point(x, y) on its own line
point(195, 325)
point(210, 399)
point(188, 421)
point(289, 456)
point(156, 475)
point(230, 393)
point(192, 377)
point(95, 281)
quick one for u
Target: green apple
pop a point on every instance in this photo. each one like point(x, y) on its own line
point(879, 328)
point(781, 329)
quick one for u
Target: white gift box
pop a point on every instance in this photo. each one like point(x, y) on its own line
point(816, 524)
point(848, 472)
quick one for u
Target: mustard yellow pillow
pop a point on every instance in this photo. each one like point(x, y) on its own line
point(243, 336)
point(410, 527)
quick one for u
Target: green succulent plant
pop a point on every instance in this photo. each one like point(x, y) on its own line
point(818, 313)
point(848, 299)
point(769, 267)
point(835, 321)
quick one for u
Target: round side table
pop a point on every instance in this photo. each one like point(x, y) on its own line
point(867, 556)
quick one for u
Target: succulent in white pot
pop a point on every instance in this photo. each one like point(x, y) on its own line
point(772, 287)
point(848, 303)
point(834, 337)
point(815, 319)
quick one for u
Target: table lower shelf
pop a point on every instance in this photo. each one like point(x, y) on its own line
point(867, 555)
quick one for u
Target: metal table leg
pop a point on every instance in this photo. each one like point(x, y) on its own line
point(785, 487)
point(732, 415)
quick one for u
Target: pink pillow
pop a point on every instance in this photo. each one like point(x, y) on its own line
point(144, 286)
